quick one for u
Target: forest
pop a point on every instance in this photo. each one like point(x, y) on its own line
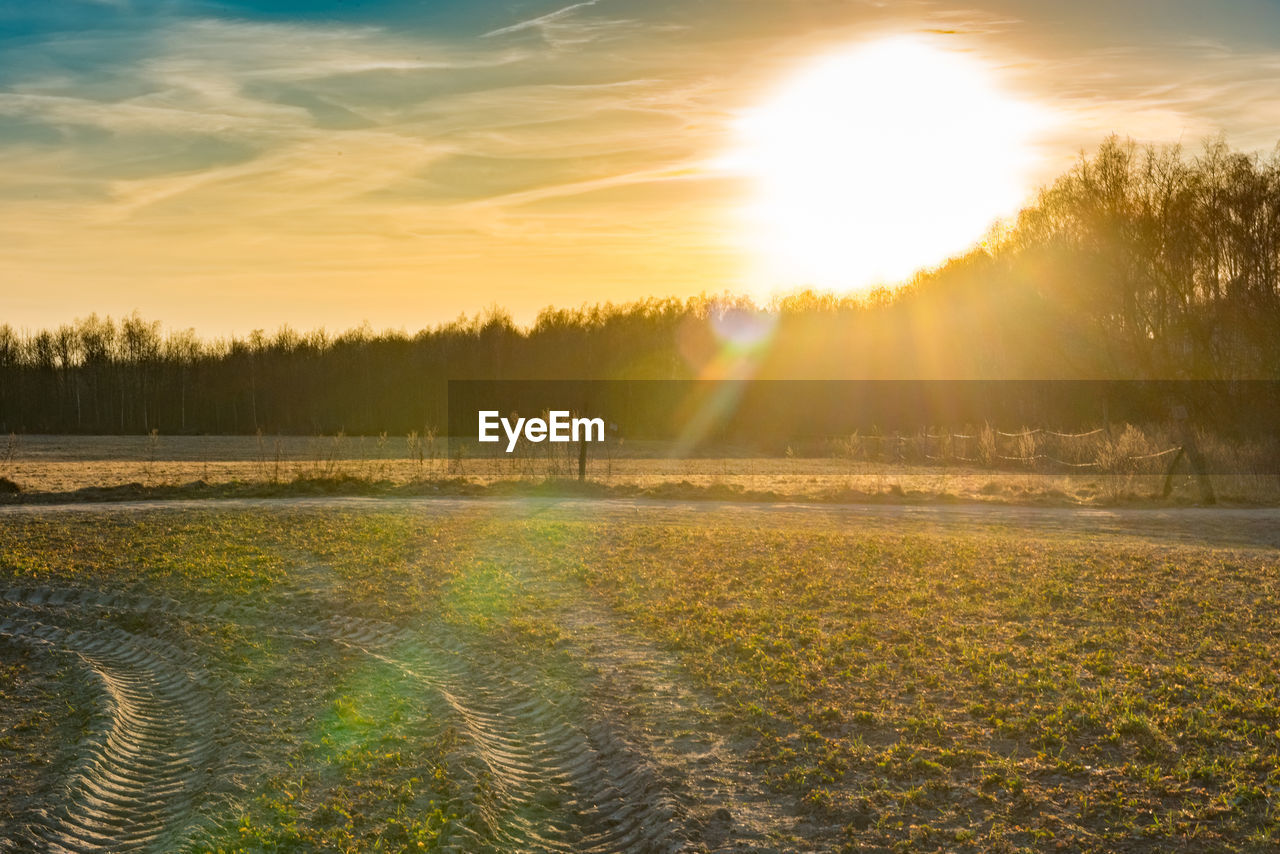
point(1141, 262)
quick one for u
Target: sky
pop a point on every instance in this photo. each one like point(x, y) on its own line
point(227, 166)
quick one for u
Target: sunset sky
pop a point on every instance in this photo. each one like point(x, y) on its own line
point(234, 165)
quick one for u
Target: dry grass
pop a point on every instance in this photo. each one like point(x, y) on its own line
point(65, 464)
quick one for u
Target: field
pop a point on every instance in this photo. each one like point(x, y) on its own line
point(534, 674)
point(63, 468)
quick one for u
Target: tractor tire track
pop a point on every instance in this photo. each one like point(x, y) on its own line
point(143, 763)
point(555, 784)
point(539, 772)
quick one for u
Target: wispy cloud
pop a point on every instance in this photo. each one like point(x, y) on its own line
point(356, 151)
point(542, 22)
point(1181, 93)
point(564, 151)
point(568, 28)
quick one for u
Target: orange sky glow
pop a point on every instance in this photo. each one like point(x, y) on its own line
point(253, 167)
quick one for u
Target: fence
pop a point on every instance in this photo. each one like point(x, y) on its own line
point(1039, 448)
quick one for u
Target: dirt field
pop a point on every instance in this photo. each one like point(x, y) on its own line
point(62, 465)
point(497, 675)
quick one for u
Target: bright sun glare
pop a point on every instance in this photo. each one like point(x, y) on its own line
point(875, 162)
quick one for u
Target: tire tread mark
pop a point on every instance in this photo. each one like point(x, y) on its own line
point(139, 771)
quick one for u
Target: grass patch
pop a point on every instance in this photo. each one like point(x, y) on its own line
point(899, 688)
point(925, 690)
point(372, 776)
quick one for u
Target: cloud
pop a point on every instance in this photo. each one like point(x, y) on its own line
point(541, 23)
point(165, 147)
point(565, 28)
point(311, 117)
point(1182, 93)
point(204, 88)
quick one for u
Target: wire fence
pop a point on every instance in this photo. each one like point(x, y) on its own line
point(1037, 449)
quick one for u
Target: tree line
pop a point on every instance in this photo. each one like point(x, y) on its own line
point(1138, 263)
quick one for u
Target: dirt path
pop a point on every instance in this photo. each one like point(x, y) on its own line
point(1232, 526)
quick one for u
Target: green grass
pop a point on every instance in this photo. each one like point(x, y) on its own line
point(368, 560)
point(989, 691)
point(371, 777)
point(903, 689)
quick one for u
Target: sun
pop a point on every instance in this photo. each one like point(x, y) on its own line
point(875, 162)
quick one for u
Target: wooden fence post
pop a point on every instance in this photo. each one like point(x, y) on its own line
point(1168, 477)
point(1193, 456)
